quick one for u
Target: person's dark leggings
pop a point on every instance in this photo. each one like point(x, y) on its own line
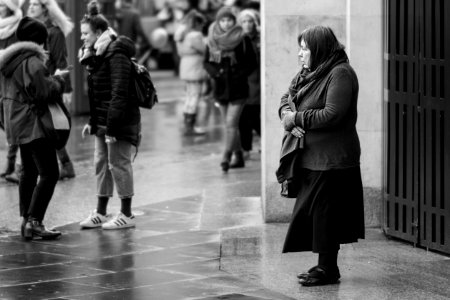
point(38, 160)
point(328, 260)
point(250, 120)
point(63, 156)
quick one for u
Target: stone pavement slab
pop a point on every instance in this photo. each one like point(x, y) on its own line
point(374, 268)
point(170, 254)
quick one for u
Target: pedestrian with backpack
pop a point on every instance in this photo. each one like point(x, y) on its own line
point(115, 118)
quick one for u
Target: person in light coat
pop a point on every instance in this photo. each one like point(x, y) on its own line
point(191, 46)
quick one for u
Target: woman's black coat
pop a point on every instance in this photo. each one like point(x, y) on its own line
point(112, 102)
point(231, 81)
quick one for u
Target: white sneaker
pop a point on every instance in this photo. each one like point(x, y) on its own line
point(94, 220)
point(120, 221)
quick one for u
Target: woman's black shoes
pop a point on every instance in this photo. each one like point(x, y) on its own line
point(22, 226)
point(238, 161)
point(304, 275)
point(35, 228)
point(319, 276)
point(225, 165)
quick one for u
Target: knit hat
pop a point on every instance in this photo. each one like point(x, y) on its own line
point(32, 30)
point(225, 12)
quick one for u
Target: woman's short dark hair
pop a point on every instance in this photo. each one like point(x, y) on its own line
point(321, 41)
point(94, 18)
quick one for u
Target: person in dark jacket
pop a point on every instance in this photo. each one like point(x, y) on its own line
point(26, 89)
point(128, 23)
point(115, 116)
point(251, 115)
point(229, 60)
point(329, 207)
point(10, 15)
point(58, 26)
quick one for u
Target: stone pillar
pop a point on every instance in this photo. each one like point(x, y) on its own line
point(358, 25)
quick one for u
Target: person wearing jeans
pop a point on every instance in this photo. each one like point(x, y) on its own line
point(113, 165)
point(114, 117)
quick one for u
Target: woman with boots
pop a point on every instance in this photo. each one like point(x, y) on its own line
point(26, 89)
point(58, 26)
point(10, 15)
point(229, 60)
point(251, 115)
point(191, 48)
point(115, 117)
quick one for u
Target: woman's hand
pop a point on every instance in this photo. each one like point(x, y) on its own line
point(288, 120)
point(86, 129)
point(110, 139)
point(67, 98)
point(298, 132)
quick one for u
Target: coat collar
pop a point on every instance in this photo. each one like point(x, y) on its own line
point(102, 43)
point(11, 52)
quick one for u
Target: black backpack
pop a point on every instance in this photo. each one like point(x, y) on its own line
point(145, 90)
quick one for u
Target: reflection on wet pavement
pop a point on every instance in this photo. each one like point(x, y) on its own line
point(182, 201)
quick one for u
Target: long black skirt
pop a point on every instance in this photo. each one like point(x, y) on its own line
point(329, 211)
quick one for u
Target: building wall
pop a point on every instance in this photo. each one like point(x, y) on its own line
point(358, 25)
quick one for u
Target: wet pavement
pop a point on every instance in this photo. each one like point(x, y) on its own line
point(182, 202)
point(199, 233)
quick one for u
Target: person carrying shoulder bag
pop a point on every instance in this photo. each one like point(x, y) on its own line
point(26, 90)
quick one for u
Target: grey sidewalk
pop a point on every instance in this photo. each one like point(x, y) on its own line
point(199, 235)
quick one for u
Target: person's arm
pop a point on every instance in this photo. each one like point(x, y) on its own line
point(41, 86)
point(249, 58)
point(338, 100)
point(213, 69)
point(120, 68)
point(284, 106)
point(145, 43)
point(198, 42)
point(58, 54)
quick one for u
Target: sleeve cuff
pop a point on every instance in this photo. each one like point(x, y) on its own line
point(299, 119)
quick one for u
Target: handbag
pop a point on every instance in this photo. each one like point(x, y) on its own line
point(54, 119)
point(56, 124)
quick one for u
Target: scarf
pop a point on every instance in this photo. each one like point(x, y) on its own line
point(222, 43)
point(87, 55)
point(9, 24)
point(305, 79)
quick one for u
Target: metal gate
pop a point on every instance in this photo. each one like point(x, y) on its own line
point(417, 122)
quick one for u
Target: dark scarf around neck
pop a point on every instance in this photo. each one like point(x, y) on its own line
point(305, 79)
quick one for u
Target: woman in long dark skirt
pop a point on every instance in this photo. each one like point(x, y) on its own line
point(329, 208)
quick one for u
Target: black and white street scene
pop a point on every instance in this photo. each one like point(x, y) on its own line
point(224, 149)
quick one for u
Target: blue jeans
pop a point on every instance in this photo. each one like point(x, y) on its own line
point(113, 167)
